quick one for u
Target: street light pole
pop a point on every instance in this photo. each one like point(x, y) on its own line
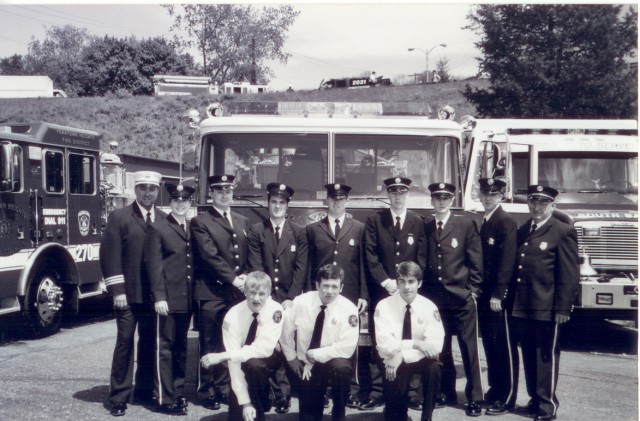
point(426, 55)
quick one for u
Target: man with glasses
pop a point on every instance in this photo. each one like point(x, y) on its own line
point(453, 280)
point(545, 283)
point(220, 258)
point(392, 236)
point(126, 280)
point(498, 235)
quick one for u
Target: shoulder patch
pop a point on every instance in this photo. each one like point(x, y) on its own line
point(436, 315)
point(277, 316)
point(353, 320)
point(226, 326)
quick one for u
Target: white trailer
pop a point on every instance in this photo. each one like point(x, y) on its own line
point(28, 87)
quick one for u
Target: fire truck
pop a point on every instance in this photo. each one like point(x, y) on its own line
point(594, 165)
point(56, 190)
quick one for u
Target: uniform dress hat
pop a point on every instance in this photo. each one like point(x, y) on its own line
point(337, 190)
point(397, 183)
point(179, 191)
point(492, 185)
point(541, 192)
point(147, 177)
point(220, 181)
point(444, 189)
point(280, 189)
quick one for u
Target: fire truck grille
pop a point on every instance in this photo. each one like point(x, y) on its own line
point(615, 248)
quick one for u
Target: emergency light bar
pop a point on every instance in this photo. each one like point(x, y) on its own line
point(327, 109)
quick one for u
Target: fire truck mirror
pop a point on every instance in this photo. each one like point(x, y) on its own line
point(6, 167)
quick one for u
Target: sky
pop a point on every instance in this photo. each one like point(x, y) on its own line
point(326, 41)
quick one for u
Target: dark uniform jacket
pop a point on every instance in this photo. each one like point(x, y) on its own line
point(499, 243)
point(547, 272)
point(219, 254)
point(454, 263)
point(121, 254)
point(169, 262)
point(347, 252)
point(384, 250)
point(285, 263)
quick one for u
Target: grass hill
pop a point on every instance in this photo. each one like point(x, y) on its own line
point(153, 126)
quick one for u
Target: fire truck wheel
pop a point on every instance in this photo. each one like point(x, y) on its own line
point(43, 302)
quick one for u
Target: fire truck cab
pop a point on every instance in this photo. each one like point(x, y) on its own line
point(594, 165)
point(50, 222)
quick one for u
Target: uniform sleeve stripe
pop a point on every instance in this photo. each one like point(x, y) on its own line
point(112, 280)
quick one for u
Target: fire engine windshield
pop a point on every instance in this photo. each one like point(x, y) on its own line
point(362, 161)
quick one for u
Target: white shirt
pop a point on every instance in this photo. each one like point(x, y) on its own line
point(488, 216)
point(443, 220)
point(144, 212)
point(539, 224)
point(235, 329)
point(402, 216)
point(332, 223)
point(222, 212)
point(339, 334)
point(280, 225)
point(426, 325)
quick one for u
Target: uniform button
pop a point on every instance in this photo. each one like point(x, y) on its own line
point(335, 252)
point(526, 244)
point(439, 245)
point(337, 242)
point(519, 279)
point(275, 279)
point(188, 266)
point(237, 256)
point(188, 255)
point(439, 278)
point(439, 267)
point(276, 270)
point(397, 243)
point(188, 277)
point(520, 267)
point(521, 254)
point(276, 287)
point(397, 264)
point(237, 268)
point(335, 263)
point(235, 246)
point(397, 253)
point(277, 260)
point(439, 256)
point(235, 235)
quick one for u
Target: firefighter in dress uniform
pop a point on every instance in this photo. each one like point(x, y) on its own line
point(220, 256)
point(453, 280)
point(319, 337)
point(279, 248)
point(338, 240)
point(409, 338)
point(251, 330)
point(545, 283)
point(126, 280)
point(169, 262)
point(498, 235)
point(392, 236)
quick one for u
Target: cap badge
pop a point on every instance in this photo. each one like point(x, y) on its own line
point(539, 188)
point(179, 187)
point(398, 179)
point(282, 187)
point(224, 178)
point(337, 186)
point(490, 181)
point(441, 185)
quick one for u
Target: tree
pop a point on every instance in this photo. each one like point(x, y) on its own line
point(555, 61)
point(234, 41)
point(442, 67)
point(12, 66)
point(58, 55)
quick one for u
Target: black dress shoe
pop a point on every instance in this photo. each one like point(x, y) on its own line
point(415, 404)
point(473, 409)
point(282, 404)
point(499, 408)
point(370, 403)
point(211, 403)
point(182, 402)
point(118, 409)
point(223, 398)
point(530, 408)
point(172, 409)
point(353, 402)
point(444, 400)
point(544, 417)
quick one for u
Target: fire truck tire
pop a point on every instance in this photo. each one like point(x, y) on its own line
point(43, 303)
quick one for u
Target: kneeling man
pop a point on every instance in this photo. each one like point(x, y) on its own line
point(319, 337)
point(250, 331)
point(409, 338)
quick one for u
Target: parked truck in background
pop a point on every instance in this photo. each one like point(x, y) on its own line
point(28, 87)
point(594, 165)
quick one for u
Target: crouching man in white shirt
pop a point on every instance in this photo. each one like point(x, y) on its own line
point(250, 331)
point(409, 338)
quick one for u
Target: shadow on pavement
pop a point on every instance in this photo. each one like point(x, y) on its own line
point(593, 335)
point(96, 394)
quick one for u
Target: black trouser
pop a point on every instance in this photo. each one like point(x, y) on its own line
point(462, 322)
point(257, 373)
point(213, 381)
point(539, 341)
point(501, 357)
point(396, 393)
point(280, 384)
point(171, 356)
point(335, 373)
point(141, 316)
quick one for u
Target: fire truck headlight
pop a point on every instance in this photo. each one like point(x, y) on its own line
point(591, 231)
point(604, 299)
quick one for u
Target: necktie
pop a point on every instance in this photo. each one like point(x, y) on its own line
point(225, 216)
point(183, 228)
point(316, 336)
point(148, 219)
point(337, 228)
point(397, 227)
point(484, 221)
point(439, 229)
point(251, 336)
point(277, 235)
point(533, 228)
point(406, 324)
